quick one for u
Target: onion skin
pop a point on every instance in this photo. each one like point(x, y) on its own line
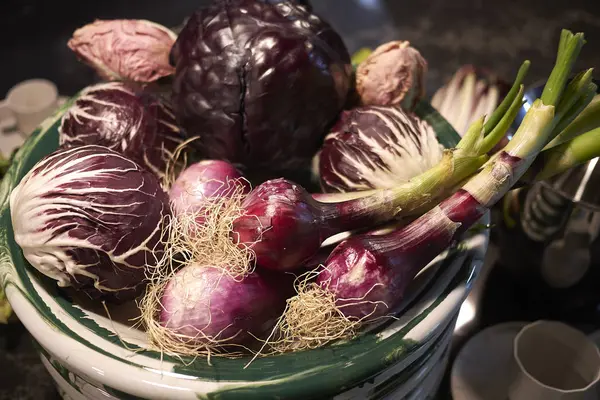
point(379, 268)
point(205, 180)
point(281, 222)
point(205, 303)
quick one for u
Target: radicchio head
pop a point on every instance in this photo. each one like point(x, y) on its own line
point(375, 148)
point(90, 218)
point(136, 124)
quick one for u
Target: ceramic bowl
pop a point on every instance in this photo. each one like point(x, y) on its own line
point(97, 356)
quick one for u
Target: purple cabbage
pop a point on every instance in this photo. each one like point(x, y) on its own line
point(376, 148)
point(92, 219)
point(260, 81)
point(139, 125)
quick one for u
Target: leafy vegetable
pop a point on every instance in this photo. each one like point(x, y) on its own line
point(125, 49)
point(470, 93)
point(139, 125)
point(260, 81)
point(376, 147)
point(393, 74)
point(90, 218)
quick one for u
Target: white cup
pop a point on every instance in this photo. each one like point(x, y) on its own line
point(28, 104)
point(554, 361)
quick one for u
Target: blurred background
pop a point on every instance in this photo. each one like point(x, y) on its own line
point(495, 35)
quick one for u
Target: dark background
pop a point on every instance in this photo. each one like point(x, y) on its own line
point(497, 35)
point(493, 34)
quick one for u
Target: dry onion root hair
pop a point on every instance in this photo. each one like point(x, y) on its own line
point(201, 238)
point(313, 319)
point(209, 241)
point(176, 162)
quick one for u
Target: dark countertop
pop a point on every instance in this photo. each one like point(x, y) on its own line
point(493, 34)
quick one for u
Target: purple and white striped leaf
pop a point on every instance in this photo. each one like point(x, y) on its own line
point(376, 148)
point(139, 125)
point(90, 218)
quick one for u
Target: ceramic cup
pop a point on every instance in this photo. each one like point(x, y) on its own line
point(554, 361)
point(27, 104)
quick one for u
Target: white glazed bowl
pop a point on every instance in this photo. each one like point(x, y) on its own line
point(92, 356)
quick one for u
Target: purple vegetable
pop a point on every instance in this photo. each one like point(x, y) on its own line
point(285, 227)
point(376, 147)
point(260, 81)
point(304, 3)
point(203, 181)
point(139, 125)
point(90, 218)
point(125, 49)
point(393, 74)
point(209, 306)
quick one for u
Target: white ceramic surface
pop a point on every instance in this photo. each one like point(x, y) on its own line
point(554, 362)
point(485, 368)
point(482, 369)
point(30, 102)
point(11, 136)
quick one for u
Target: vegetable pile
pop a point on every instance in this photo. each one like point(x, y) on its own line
point(148, 196)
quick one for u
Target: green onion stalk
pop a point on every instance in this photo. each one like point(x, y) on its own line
point(575, 142)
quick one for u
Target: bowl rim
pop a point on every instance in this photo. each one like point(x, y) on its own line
point(372, 352)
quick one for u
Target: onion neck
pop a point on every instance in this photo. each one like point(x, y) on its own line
point(388, 204)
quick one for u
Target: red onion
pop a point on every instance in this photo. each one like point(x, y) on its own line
point(207, 305)
point(203, 181)
point(285, 226)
